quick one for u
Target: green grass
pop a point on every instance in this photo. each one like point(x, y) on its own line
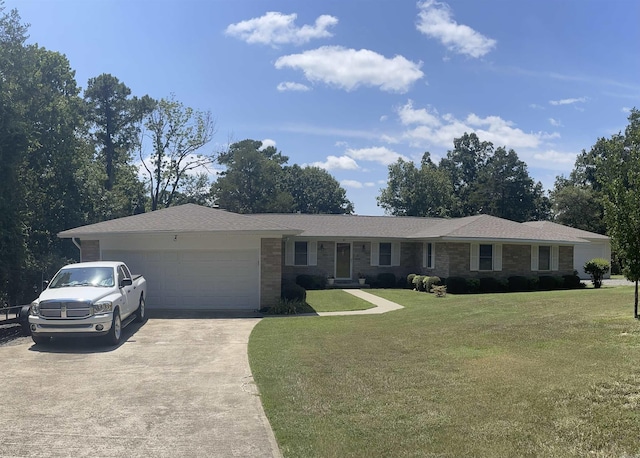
point(527, 374)
point(334, 300)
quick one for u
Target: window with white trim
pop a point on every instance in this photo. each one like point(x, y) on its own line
point(384, 254)
point(428, 260)
point(485, 257)
point(544, 257)
point(301, 254)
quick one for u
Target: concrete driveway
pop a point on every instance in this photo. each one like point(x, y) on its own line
point(174, 388)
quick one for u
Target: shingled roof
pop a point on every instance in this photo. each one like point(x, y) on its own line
point(182, 218)
point(196, 218)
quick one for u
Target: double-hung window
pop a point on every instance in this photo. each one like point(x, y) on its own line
point(544, 257)
point(384, 255)
point(485, 259)
point(301, 255)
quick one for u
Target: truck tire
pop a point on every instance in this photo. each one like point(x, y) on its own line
point(141, 313)
point(115, 333)
point(40, 340)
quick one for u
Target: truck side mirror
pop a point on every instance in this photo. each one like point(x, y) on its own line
point(126, 282)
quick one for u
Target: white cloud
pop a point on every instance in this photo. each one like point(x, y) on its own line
point(429, 128)
point(383, 118)
point(277, 28)
point(435, 20)
point(535, 106)
point(349, 69)
point(567, 101)
point(351, 184)
point(380, 154)
point(335, 162)
point(555, 157)
point(267, 142)
point(555, 122)
point(291, 86)
point(626, 110)
point(369, 184)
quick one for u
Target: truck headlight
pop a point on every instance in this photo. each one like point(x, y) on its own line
point(102, 307)
point(35, 308)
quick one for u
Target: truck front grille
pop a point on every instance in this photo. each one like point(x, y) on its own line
point(65, 309)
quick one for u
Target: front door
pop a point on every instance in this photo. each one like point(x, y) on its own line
point(343, 260)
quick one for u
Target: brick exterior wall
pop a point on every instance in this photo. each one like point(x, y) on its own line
point(270, 271)
point(90, 250)
point(451, 260)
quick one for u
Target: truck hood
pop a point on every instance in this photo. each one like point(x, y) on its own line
point(80, 293)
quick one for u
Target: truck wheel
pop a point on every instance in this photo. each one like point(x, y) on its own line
point(40, 340)
point(141, 314)
point(115, 333)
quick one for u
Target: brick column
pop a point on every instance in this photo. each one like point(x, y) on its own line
point(270, 271)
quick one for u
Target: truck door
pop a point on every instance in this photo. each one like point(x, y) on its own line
point(126, 291)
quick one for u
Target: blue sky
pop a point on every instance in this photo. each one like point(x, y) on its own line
point(352, 85)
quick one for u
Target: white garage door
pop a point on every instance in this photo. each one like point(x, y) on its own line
point(584, 253)
point(208, 280)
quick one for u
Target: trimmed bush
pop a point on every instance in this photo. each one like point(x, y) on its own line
point(386, 280)
point(418, 282)
point(571, 281)
point(410, 278)
point(310, 282)
point(597, 267)
point(293, 292)
point(518, 283)
point(533, 283)
point(430, 282)
point(492, 285)
point(473, 285)
point(456, 285)
point(547, 283)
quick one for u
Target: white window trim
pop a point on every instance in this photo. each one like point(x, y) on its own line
point(535, 258)
point(496, 257)
point(426, 262)
point(290, 253)
point(375, 254)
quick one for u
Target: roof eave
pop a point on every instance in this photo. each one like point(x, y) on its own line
point(86, 235)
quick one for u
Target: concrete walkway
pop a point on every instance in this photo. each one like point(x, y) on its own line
point(381, 305)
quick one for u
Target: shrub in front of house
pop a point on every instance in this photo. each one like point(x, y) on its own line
point(597, 268)
point(410, 283)
point(533, 283)
point(418, 282)
point(311, 282)
point(430, 282)
point(386, 280)
point(492, 285)
point(456, 285)
point(284, 307)
point(293, 292)
point(547, 283)
point(473, 285)
point(518, 283)
point(572, 282)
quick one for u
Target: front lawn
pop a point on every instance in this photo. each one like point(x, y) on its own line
point(335, 300)
point(521, 374)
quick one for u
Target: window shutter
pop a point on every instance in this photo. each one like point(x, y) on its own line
point(497, 257)
point(429, 262)
point(375, 253)
point(555, 254)
point(312, 253)
point(289, 252)
point(425, 253)
point(395, 254)
point(534, 258)
point(474, 256)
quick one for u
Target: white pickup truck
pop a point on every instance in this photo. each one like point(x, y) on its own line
point(88, 299)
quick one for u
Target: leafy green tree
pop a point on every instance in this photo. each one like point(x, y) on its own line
point(14, 141)
point(578, 207)
point(412, 191)
point(618, 173)
point(115, 119)
point(597, 268)
point(253, 180)
point(503, 188)
point(314, 190)
point(463, 164)
point(177, 135)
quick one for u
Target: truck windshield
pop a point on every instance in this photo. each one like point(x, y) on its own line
point(85, 276)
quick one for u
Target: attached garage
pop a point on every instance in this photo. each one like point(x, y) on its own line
point(193, 257)
point(219, 280)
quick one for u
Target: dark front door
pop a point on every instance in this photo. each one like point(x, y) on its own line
point(343, 260)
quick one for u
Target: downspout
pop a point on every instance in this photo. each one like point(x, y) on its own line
point(78, 246)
